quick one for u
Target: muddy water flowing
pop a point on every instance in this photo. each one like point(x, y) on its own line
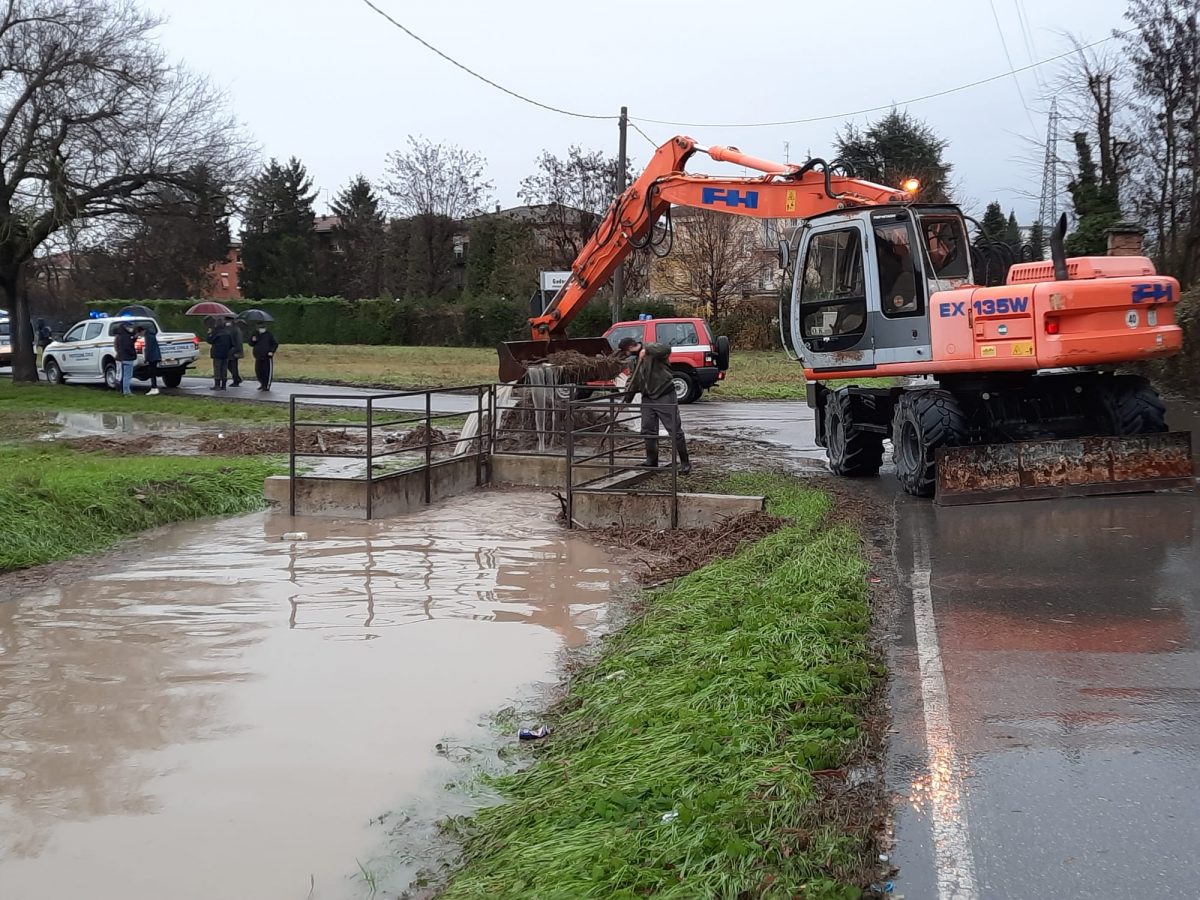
point(217, 713)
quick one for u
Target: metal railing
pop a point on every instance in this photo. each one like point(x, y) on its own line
point(394, 410)
point(604, 430)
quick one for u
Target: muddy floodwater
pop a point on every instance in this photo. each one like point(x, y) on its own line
point(214, 713)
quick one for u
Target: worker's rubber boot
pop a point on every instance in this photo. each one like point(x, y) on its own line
point(685, 464)
point(651, 460)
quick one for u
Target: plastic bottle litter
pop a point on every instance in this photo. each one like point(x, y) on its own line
point(533, 734)
point(294, 536)
point(671, 816)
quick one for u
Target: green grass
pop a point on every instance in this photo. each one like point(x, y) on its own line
point(753, 374)
point(57, 503)
point(738, 682)
point(40, 398)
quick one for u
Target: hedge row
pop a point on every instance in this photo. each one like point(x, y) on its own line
point(326, 320)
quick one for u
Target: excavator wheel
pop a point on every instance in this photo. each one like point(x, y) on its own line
point(925, 421)
point(1129, 405)
point(852, 453)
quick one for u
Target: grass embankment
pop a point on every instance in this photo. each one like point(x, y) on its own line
point(753, 374)
point(56, 503)
point(719, 703)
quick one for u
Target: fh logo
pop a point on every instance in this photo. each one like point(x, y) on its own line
point(1149, 292)
point(712, 196)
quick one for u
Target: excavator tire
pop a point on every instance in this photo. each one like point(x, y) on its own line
point(852, 453)
point(925, 421)
point(1131, 406)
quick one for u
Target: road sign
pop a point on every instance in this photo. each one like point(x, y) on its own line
point(553, 281)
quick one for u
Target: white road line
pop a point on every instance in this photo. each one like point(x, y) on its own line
point(948, 815)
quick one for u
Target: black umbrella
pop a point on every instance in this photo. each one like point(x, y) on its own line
point(137, 310)
point(256, 315)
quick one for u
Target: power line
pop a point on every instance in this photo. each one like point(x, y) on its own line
point(424, 43)
point(1008, 58)
point(634, 126)
point(871, 109)
point(842, 115)
point(1027, 37)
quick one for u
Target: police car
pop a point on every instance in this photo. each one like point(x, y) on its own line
point(87, 353)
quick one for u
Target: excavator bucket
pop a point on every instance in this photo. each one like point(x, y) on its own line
point(1075, 467)
point(515, 356)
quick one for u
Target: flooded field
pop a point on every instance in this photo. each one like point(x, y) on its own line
point(212, 712)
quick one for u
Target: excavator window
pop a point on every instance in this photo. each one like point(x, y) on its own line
point(833, 297)
point(946, 242)
point(898, 278)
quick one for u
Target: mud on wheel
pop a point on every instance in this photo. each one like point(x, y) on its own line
point(851, 452)
point(924, 422)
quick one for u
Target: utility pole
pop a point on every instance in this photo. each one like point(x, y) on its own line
point(618, 294)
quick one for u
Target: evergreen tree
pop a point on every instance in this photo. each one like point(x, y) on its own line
point(1097, 205)
point(994, 225)
point(354, 269)
point(895, 148)
point(1012, 234)
point(278, 243)
point(1037, 240)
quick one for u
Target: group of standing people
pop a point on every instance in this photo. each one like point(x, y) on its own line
point(227, 346)
point(125, 344)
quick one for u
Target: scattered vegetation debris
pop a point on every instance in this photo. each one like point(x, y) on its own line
point(417, 437)
point(673, 554)
point(580, 369)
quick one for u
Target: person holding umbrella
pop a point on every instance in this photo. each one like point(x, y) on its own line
point(263, 345)
point(220, 339)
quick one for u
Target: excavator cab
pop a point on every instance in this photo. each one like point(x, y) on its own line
point(862, 283)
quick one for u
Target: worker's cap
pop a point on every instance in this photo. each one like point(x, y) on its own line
point(626, 343)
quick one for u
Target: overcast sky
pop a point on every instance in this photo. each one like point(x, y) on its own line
point(332, 83)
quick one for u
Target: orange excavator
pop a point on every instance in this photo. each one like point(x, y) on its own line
point(997, 392)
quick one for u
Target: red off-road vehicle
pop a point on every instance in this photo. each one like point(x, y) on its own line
point(699, 359)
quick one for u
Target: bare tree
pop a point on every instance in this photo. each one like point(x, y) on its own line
point(575, 192)
point(713, 259)
point(94, 123)
point(439, 180)
point(1164, 55)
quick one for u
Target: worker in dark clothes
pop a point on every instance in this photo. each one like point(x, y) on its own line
point(264, 345)
point(220, 339)
point(126, 355)
point(654, 380)
point(239, 350)
point(151, 355)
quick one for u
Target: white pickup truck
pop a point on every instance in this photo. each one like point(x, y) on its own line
point(87, 353)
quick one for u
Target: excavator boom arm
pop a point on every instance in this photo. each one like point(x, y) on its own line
point(783, 191)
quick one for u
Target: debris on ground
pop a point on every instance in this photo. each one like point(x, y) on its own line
point(533, 734)
point(417, 437)
point(667, 555)
point(330, 441)
point(294, 536)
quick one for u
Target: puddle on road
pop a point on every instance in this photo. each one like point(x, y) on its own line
point(213, 694)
